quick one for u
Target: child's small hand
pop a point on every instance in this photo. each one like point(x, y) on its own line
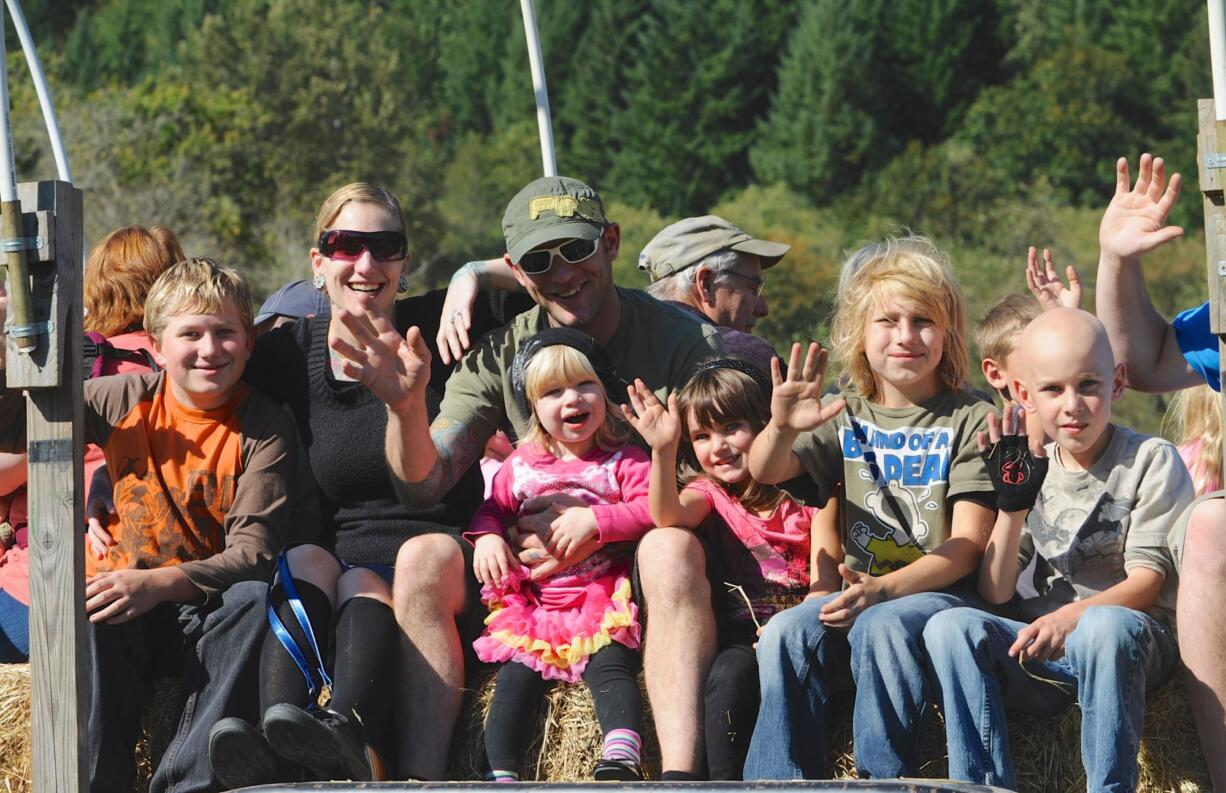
point(1017, 472)
point(863, 590)
point(796, 402)
point(1043, 639)
point(657, 424)
point(571, 529)
point(100, 540)
point(493, 560)
point(1045, 283)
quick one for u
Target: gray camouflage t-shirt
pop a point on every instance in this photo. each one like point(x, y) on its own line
point(1090, 528)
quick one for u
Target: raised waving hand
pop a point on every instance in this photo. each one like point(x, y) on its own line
point(396, 368)
point(1045, 284)
point(658, 424)
point(1135, 221)
point(796, 400)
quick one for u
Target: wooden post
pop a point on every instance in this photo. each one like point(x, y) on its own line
point(1211, 159)
point(54, 419)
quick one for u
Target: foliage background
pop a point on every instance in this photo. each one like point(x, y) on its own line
point(988, 125)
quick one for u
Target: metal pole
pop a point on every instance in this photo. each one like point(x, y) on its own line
point(40, 85)
point(21, 328)
point(536, 62)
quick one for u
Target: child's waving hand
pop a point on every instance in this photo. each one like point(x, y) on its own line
point(796, 401)
point(657, 424)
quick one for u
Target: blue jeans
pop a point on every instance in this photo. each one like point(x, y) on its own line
point(801, 665)
point(889, 667)
point(1111, 658)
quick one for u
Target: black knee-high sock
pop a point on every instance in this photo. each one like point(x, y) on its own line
point(280, 678)
point(366, 643)
point(518, 696)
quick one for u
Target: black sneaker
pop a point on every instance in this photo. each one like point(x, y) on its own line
point(329, 744)
point(241, 757)
point(617, 771)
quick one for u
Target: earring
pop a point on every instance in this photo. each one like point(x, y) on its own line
point(403, 283)
point(318, 282)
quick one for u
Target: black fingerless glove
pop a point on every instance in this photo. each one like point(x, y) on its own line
point(1016, 473)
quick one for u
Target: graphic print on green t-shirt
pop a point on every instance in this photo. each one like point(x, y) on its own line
point(898, 468)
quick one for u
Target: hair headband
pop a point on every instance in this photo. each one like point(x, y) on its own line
point(615, 387)
point(760, 378)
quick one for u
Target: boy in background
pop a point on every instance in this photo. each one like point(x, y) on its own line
point(201, 466)
point(1092, 509)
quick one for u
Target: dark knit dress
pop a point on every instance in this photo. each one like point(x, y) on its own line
point(341, 426)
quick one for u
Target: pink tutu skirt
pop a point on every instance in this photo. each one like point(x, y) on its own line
point(555, 626)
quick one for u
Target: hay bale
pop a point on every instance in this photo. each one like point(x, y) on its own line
point(566, 742)
point(158, 724)
point(1047, 752)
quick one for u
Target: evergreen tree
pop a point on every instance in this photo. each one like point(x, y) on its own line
point(697, 69)
point(590, 91)
point(473, 46)
point(824, 126)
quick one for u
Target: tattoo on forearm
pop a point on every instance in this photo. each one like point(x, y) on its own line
point(458, 446)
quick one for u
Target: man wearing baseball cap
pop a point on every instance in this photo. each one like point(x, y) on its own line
point(561, 248)
point(713, 266)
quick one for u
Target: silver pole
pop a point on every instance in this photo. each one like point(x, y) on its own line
point(536, 62)
point(40, 85)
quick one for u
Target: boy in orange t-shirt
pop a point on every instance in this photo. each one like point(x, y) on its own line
point(201, 467)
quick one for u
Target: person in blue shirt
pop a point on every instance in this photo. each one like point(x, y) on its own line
point(1164, 356)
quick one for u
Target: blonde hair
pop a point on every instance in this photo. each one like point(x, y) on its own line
point(196, 286)
point(359, 193)
point(560, 366)
point(119, 273)
point(910, 269)
point(998, 332)
point(1195, 415)
point(717, 396)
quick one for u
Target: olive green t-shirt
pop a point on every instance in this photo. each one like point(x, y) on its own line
point(655, 342)
point(900, 469)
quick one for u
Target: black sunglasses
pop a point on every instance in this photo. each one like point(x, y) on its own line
point(348, 245)
point(538, 262)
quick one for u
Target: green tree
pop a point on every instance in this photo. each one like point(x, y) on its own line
point(858, 81)
point(590, 89)
point(683, 85)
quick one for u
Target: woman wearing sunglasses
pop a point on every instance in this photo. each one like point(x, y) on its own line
point(324, 718)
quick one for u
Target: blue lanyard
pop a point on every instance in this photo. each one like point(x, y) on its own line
point(320, 694)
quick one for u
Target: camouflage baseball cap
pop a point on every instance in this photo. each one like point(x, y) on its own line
point(687, 242)
point(551, 208)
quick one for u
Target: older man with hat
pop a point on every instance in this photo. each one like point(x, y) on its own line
point(560, 248)
point(714, 270)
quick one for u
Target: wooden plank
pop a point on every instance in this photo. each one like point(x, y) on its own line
point(59, 679)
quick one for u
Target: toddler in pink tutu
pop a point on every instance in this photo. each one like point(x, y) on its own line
point(581, 622)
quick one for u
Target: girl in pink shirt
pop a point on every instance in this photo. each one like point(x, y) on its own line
point(581, 622)
point(771, 551)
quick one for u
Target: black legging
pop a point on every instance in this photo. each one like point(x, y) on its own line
point(730, 705)
point(612, 676)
